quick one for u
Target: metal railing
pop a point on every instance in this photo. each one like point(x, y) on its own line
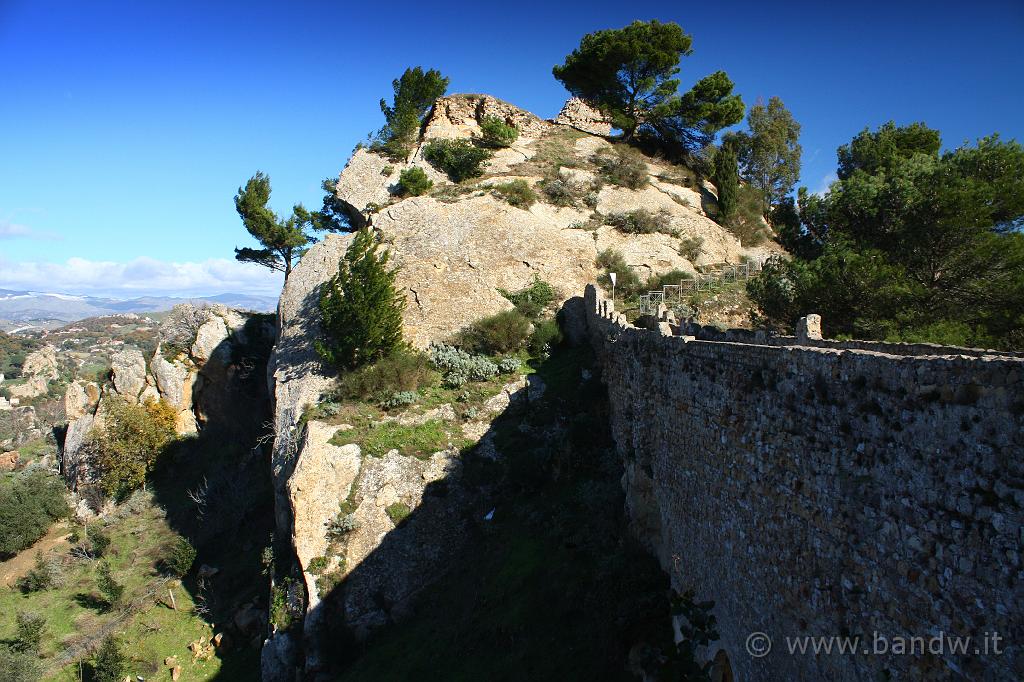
point(714, 277)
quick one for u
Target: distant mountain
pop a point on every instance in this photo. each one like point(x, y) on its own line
point(34, 306)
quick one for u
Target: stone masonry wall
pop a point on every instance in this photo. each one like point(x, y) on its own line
point(827, 492)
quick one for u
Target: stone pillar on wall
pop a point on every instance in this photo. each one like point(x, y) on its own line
point(809, 328)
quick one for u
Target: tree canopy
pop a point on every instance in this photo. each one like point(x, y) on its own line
point(415, 92)
point(769, 154)
point(283, 241)
point(361, 310)
point(910, 243)
point(629, 74)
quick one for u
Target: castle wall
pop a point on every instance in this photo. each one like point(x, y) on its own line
point(827, 491)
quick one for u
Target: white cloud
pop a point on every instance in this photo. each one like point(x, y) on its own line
point(825, 182)
point(9, 230)
point(141, 277)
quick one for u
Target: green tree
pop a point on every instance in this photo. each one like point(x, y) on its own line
point(769, 154)
point(29, 503)
point(110, 664)
point(333, 215)
point(414, 182)
point(283, 241)
point(910, 244)
point(112, 590)
point(128, 443)
point(627, 72)
point(727, 181)
point(460, 159)
point(31, 627)
point(361, 310)
point(415, 92)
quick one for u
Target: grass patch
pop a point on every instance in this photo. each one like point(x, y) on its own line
point(517, 193)
point(421, 440)
point(397, 512)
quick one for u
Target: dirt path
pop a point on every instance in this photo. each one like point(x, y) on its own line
point(20, 563)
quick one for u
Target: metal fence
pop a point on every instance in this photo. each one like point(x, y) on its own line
point(712, 278)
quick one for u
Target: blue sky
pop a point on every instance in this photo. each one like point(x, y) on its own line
point(127, 127)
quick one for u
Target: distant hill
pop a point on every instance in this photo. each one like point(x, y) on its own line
point(28, 310)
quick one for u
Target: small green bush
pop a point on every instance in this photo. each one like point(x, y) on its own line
point(625, 167)
point(559, 192)
point(129, 442)
point(112, 590)
point(671, 277)
point(18, 666)
point(504, 332)
point(642, 221)
point(179, 557)
point(318, 565)
point(110, 665)
point(30, 629)
point(29, 503)
point(610, 261)
point(458, 366)
point(44, 575)
point(517, 193)
point(398, 512)
point(403, 371)
point(497, 133)
point(690, 248)
point(98, 539)
point(460, 159)
point(533, 299)
point(546, 336)
point(414, 182)
point(400, 399)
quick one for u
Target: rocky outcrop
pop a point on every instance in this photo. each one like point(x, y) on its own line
point(578, 114)
point(461, 116)
point(174, 376)
point(39, 369)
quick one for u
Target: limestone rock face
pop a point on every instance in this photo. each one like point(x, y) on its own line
point(461, 115)
point(209, 338)
point(321, 480)
point(577, 114)
point(368, 180)
point(129, 369)
point(35, 386)
point(41, 363)
point(80, 398)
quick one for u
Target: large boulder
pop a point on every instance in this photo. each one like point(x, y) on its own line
point(41, 363)
point(577, 114)
point(129, 372)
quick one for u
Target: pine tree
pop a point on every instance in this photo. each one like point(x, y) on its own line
point(110, 663)
point(283, 241)
point(362, 312)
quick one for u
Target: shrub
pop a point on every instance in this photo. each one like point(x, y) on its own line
point(625, 167)
point(110, 664)
point(400, 399)
point(545, 337)
point(642, 221)
point(30, 629)
point(341, 525)
point(400, 372)
point(497, 133)
point(517, 193)
point(29, 503)
point(559, 192)
point(458, 366)
point(533, 299)
point(690, 248)
point(361, 310)
point(112, 590)
point(17, 666)
point(46, 574)
point(504, 332)
point(179, 557)
point(458, 158)
point(509, 366)
point(126, 447)
point(98, 539)
point(397, 512)
point(414, 182)
point(610, 261)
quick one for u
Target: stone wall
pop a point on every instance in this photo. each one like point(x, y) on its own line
point(827, 491)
